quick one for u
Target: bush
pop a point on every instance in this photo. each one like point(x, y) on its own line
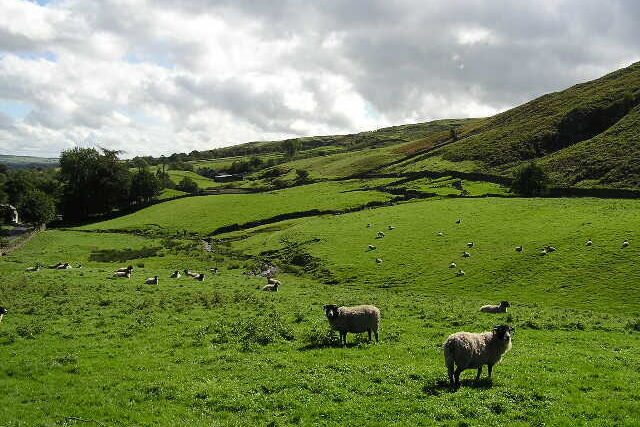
point(188, 185)
point(530, 180)
point(37, 207)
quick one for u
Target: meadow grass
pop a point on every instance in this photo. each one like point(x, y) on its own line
point(79, 343)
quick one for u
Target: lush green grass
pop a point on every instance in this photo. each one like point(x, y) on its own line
point(80, 344)
point(171, 193)
point(207, 213)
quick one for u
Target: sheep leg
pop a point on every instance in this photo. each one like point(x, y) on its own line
point(490, 367)
point(450, 368)
point(343, 339)
point(376, 335)
point(369, 330)
point(1, 316)
point(479, 373)
point(457, 376)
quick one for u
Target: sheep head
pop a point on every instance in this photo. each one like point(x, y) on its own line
point(3, 310)
point(504, 332)
point(330, 310)
point(505, 304)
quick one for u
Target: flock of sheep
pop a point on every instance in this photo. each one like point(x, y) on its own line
point(126, 272)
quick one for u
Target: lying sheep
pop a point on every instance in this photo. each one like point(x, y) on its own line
point(589, 242)
point(126, 274)
point(273, 281)
point(460, 273)
point(36, 268)
point(470, 244)
point(502, 308)
point(369, 225)
point(152, 280)
point(362, 318)
point(124, 269)
point(56, 266)
point(379, 260)
point(466, 350)
point(550, 249)
point(190, 273)
point(440, 234)
point(453, 265)
point(3, 311)
point(625, 243)
point(391, 227)
point(372, 248)
point(176, 275)
point(380, 234)
point(271, 288)
point(200, 277)
point(466, 254)
point(519, 248)
point(459, 221)
point(214, 270)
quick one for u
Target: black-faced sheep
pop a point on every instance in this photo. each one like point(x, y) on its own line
point(200, 277)
point(152, 280)
point(3, 311)
point(378, 260)
point(625, 243)
point(36, 268)
point(589, 242)
point(273, 281)
point(459, 221)
point(214, 270)
point(372, 248)
point(391, 227)
point(362, 318)
point(380, 235)
point(271, 288)
point(465, 350)
point(440, 234)
point(125, 269)
point(460, 273)
point(519, 248)
point(470, 244)
point(502, 308)
point(190, 273)
point(126, 274)
point(176, 275)
point(466, 254)
point(453, 265)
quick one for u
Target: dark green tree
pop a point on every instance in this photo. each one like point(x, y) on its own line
point(145, 187)
point(37, 207)
point(188, 185)
point(291, 147)
point(530, 180)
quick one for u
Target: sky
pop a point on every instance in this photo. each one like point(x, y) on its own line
point(164, 76)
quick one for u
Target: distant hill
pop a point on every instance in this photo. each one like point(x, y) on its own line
point(27, 161)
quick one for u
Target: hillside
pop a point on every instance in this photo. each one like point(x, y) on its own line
point(27, 161)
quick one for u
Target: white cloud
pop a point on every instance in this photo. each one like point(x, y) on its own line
point(162, 76)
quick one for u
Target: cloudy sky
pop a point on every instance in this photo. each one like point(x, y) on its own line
point(163, 76)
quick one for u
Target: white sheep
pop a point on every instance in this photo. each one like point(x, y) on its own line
point(466, 254)
point(380, 234)
point(519, 248)
point(126, 274)
point(379, 260)
point(589, 242)
point(440, 234)
point(362, 318)
point(470, 244)
point(273, 281)
point(124, 269)
point(465, 350)
point(176, 275)
point(372, 248)
point(190, 273)
point(152, 280)
point(391, 227)
point(271, 288)
point(3, 311)
point(453, 265)
point(625, 243)
point(502, 308)
point(460, 273)
point(200, 277)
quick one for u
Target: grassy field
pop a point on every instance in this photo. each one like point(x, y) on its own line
point(78, 343)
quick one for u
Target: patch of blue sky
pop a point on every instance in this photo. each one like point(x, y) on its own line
point(49, 56)
point(159, 60)
point(372, 113)
point(15, 109)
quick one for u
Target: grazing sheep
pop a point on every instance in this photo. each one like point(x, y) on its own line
point(391, 227)
point(440, 234)
point(589, 242)
point(502, 308)
point(372, 248)
point(200, 277)
point(36, 268)
point(190, 273)
point(126, 274)
point(466, 254)
point(519, 248)
point(152, 280)
point(550, 249)
point(466, 350)
point(453, 265)
point(379, 260)
point(380, 234)
point(176, 275)
point(460, 273)
point(3, 311)
point(271, 288)
point(129, 269)
point(470, 244)
point(362, 318)
point(625, 243)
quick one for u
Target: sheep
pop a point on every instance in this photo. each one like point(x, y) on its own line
point(519, 248)
point(391, 227)
point(214, 270)
point(544, 252)
point(362, 318)
point(190, 273)
point(380, 235)
point(176, 275)
point(453, 265)
point(550, 249)
point(56, 266)
point(466, 254)
point(273, 281)
point(589, 242)
point(459, 221)
point(460, 273)
point(379, 260)
point(440, 234)
point(470, 244)
point(502, 308)
point(200, 277)
point(3, 311)
point(369, 225)
point(372, 248)
point(625, 243)
point(126, 274)
point(65, 266)
point(271, 288)
point(124, 269)
point(36, 268)
point(152, 280)
point(468, 350)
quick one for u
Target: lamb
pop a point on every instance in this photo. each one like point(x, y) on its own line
point(519, 248)
point(470, 244)
point(380, 234)
point(460, 273)
point(466, 254)
point(362, 318)
point(129, 269)
point(152, 280)
point(453, 265)
point(126, 274)
point(3, 311)
point(502, 308)
point(625, 243)
point(200, 277)
point(271, 288)
point(372, 248)
point(468, 350)
point(589, 242)
point(190, 273)
point(176, 275)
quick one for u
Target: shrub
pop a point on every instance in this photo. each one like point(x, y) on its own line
point(530, 180)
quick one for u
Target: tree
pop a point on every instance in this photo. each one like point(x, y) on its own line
point(145, 187)
point(453, 134)
point(187, 184)
point(290, 147)
point(302, 176)
point(37, 208)
point(530, 180)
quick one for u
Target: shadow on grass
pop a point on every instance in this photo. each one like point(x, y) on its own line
point(440, 386)
point(121, 255)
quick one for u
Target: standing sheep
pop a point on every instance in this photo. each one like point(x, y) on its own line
point(190, 273)
point(470, 244)
point(362, 318)
point(372, 248)
point(502, 308)
point(453, 265)
point(125, 269)
point(466, 350)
